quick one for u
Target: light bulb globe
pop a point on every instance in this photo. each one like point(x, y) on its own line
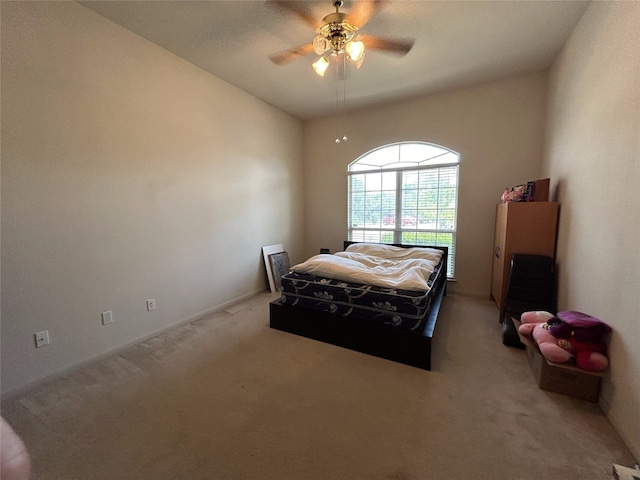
point(320, 66)
point(355, 50)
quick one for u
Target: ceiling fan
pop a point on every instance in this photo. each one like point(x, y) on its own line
point(337, 35)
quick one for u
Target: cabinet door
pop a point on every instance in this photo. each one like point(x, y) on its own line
point(497, 271)
point(528, 228)
point(531, 228)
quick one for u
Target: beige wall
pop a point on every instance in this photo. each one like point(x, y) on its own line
point(593, 155)
point(498, 129)
point(127, 174)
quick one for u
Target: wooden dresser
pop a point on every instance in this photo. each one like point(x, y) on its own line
point(521, 227)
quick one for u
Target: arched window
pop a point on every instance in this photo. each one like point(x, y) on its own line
point(405, 193)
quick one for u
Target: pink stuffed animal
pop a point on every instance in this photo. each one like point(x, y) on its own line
point(534, 324)
point(588, 355)
point(514, 194)
point(583, 336)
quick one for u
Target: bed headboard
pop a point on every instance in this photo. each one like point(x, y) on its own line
point(444, 249)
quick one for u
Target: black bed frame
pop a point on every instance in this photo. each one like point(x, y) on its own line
point(408, 347)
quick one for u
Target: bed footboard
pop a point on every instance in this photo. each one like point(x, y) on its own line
point(410, 348)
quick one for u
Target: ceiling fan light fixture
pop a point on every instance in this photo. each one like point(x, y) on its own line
point(320, 44)
point(355, 50)
point(320, 66)
point(359, 62)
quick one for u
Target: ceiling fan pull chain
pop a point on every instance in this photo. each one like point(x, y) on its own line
point(344, 96)
point(341, 113)
point(337, 140)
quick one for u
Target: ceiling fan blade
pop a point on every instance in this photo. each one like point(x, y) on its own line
point(288, 55)
point(397, 46)
point(296, 9)
point(362, 11)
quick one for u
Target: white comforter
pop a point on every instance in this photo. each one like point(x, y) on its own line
point(379, 265)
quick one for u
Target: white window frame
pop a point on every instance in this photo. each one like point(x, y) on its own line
point(390, 166)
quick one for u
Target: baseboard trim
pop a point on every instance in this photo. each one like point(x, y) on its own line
point(114, 351)
point(620, 428)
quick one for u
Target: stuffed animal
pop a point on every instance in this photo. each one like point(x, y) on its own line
point(514, 194)
point(583, 327)
point(583, 336)
point(568, 335)
point(534, 324)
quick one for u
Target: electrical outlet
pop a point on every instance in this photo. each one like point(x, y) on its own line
point(151, 304)
point(107, 317)
point(42, 338)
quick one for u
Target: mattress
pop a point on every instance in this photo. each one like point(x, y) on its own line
point(397, 308)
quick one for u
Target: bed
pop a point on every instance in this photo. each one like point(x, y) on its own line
point(393, 323)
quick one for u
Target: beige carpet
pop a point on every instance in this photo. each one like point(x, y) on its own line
point(228, 398)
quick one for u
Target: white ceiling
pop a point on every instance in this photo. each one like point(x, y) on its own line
point(457, 44)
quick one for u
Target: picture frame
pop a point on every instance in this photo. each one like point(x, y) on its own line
point(266, 252)
point(279, 266)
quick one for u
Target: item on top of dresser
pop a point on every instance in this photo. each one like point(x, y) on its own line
point(513, 194)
